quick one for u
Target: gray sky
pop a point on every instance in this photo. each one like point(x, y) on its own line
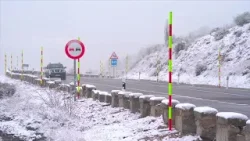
point(103, 26)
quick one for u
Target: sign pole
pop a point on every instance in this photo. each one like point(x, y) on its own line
point(75, 49)
point(78, 78)
point(74, 78)
point(170, 86)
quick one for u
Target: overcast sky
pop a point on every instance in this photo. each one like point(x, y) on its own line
point(103, 26)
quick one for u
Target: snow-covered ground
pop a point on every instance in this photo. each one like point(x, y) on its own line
point(37, 113)
point(235, 51)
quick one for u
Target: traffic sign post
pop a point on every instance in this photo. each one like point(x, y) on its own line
point(75, 49)
point(113, 58)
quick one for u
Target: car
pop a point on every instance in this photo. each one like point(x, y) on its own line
point(55, 70)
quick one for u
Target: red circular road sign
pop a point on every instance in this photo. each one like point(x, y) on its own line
point(75, 49)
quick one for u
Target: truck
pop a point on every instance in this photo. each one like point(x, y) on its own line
point(55, 70)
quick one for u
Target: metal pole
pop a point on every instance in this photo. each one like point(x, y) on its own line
point(78, 82)
point(74, 80)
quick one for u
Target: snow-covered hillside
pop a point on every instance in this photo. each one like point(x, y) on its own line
point(235, 52)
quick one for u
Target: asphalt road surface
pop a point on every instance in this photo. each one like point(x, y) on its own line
point(224, 100)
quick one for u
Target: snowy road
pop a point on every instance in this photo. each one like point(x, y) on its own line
point(225, 100)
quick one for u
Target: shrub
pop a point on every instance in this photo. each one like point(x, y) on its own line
point(180, 46)
point(200, 68)
point(242, 19)
point(238, 33)
point(220, 34)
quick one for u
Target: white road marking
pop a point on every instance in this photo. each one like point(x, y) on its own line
point(189, 97)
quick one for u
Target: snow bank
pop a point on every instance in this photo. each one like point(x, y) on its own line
point(205, 109)
point(103, 93)
point(157, 98)
point(185, 106)
point(58, 80)
point(90, 86)
point(96, 91)
point(231, 115)
point(165, 101)
point(50, 82)
point(146, 96)
point(135, 95)
point(248, 122)
point(123, 93)
point(184, 138)
point(115, 91)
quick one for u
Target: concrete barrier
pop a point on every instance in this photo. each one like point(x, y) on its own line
point(247, 131)
point(101, 96)
point(229, 125)
point(134, 102)
point(184, 119)
point(115, 99)
point(95, 94)
point(50, 84)
point(89, 89)
point(205, 120)
point(84, 92)
point(155, 104)
point(108, 98)
point(145, 105)
point(164, 106)
point(124, 99)
point(57, 83)
point(64, 87)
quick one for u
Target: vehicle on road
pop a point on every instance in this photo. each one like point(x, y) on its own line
point(55, 70)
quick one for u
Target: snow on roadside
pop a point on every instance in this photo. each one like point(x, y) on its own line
point(206, 109)
point(232, 115)
point(38, 114)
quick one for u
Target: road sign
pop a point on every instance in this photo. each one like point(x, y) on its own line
point(75, 49)
point(113, 62)
point(113, 56)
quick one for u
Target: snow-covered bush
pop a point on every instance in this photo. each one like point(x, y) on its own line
point(179, 46)
point(199, 69)
point(6, 90)
point(238, 33)
point(242, 19)
point(220, 34)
